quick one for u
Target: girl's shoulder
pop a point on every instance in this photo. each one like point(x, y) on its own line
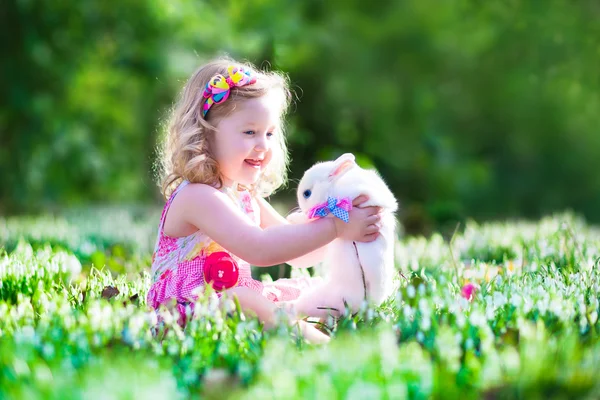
point(187, 198)
point(194, 195)
point(200, 197)
point(197, 189)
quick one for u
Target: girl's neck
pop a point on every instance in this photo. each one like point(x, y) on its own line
point(227, 183)
point(232, 185)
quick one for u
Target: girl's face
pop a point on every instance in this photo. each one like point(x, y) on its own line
point(244, 140)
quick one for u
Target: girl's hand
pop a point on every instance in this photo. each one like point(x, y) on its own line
point(297, 218)
point(363, 225)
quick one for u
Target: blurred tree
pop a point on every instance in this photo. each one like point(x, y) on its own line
point(80, 99)
point(466, 108)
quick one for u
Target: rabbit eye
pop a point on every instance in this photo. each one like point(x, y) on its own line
point(307, 194)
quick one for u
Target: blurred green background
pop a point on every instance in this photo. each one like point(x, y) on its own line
point(467, 108)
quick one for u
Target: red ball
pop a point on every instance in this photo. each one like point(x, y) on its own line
point(221, 270)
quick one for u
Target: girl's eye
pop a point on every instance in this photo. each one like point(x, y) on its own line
point(269, 134)
point(249, 132)
point(306, 194)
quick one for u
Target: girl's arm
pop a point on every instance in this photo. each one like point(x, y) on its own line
point(270, 217)
point(214, 214)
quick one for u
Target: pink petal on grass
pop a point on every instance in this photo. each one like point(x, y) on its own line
point(468, 291)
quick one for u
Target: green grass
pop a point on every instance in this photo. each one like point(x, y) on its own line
point(531, 330)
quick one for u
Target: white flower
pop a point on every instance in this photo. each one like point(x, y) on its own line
point(424, 306)
point(581, 304)
point(593, 317)
point(425, 323)
point(499, 300)
point(490, 313)
point(477, 318)
point(364, 390)
point(527, 306)
point(516, 300)
point(458, 338)
point(420, 337)
point(469, 343)
point(583, 323)
point(399, 297)
point(460, 320)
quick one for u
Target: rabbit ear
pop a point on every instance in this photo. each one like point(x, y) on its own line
point(342, 165)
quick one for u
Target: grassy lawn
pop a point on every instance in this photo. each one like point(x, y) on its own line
point(530, 329)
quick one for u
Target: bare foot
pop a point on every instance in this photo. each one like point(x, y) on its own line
point(310, 333)
point(306, 329)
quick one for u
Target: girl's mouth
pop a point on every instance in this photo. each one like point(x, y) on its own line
point(253, 163)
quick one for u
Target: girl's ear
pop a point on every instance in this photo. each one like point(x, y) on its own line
point(341, 166)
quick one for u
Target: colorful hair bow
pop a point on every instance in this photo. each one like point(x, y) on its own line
point(333, 205)
point(218, 88)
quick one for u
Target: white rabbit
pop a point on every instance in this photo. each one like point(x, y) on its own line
point(354, 271)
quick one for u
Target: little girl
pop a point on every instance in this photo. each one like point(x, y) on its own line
point(224, 152)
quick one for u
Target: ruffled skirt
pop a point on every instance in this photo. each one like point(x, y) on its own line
point(187, 282)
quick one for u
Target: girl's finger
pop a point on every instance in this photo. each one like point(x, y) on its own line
point(359, 200)
point(373, 218)
point(371, 237)
point(374, 210)
point(372, 229)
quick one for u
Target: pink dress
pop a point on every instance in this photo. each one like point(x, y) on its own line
point(182, 266)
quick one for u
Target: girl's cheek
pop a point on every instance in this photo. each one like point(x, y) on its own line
point(267, 160)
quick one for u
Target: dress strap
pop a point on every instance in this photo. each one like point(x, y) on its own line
point(163, 216)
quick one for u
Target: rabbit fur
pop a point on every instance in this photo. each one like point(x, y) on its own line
point(345, 261)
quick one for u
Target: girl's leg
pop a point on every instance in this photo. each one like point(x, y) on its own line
point(266, 311)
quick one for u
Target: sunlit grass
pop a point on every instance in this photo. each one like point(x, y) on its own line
point(529, 331)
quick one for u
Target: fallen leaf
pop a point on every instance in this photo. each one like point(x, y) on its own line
point(109, 292)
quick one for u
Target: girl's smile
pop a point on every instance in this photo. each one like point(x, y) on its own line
point(244, 141)
point(254, 163)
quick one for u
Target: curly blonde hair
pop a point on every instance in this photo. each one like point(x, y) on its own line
point(185, 153)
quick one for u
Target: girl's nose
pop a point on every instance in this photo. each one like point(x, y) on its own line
point(261, 144)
